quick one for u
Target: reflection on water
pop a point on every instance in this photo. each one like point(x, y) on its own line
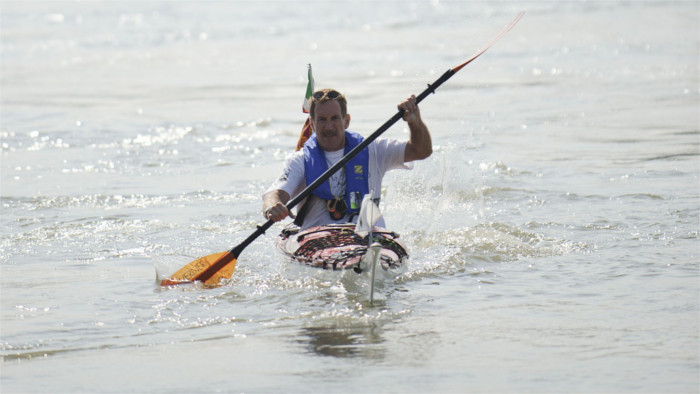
point(344, 341)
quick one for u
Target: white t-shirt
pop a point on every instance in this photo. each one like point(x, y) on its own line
point(384, 155)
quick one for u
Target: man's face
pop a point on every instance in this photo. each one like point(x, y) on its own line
point(329, 125)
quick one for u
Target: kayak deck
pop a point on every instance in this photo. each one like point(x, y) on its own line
point(338, 247)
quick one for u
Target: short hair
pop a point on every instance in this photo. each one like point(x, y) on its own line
point(323, 95)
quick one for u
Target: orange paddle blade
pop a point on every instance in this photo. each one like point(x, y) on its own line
point(483, 49)
point(191, 271)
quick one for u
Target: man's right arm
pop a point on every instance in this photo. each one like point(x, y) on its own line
point(289, 182)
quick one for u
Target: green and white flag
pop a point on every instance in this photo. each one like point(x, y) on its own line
point(306, 130)
point(309, 91)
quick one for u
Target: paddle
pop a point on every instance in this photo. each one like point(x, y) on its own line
point(210, 269)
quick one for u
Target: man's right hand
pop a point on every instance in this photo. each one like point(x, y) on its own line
point(277, 212)
point(273, 205)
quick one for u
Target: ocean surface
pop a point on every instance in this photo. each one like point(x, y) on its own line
point(553, 233)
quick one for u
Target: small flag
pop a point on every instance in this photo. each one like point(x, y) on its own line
point(309, 91)
point(306, 131)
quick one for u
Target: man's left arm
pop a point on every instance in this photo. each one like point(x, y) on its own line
point(419, 145)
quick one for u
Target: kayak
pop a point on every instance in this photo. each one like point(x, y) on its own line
point(338, 247)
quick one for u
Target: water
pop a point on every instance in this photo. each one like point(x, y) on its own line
point(553, 233)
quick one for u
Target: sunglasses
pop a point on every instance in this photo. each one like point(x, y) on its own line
point(331, 94)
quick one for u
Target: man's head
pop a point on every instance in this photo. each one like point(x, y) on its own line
point(329, 118)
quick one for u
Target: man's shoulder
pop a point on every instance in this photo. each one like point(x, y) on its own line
point(294, 162)
point(296, 155)
point(386, 145)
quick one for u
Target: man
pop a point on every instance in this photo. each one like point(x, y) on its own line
point(338, 200)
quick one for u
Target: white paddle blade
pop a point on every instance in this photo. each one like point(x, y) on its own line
point(369, 215)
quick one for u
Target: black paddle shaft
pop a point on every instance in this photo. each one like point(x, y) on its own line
point(337, 166)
